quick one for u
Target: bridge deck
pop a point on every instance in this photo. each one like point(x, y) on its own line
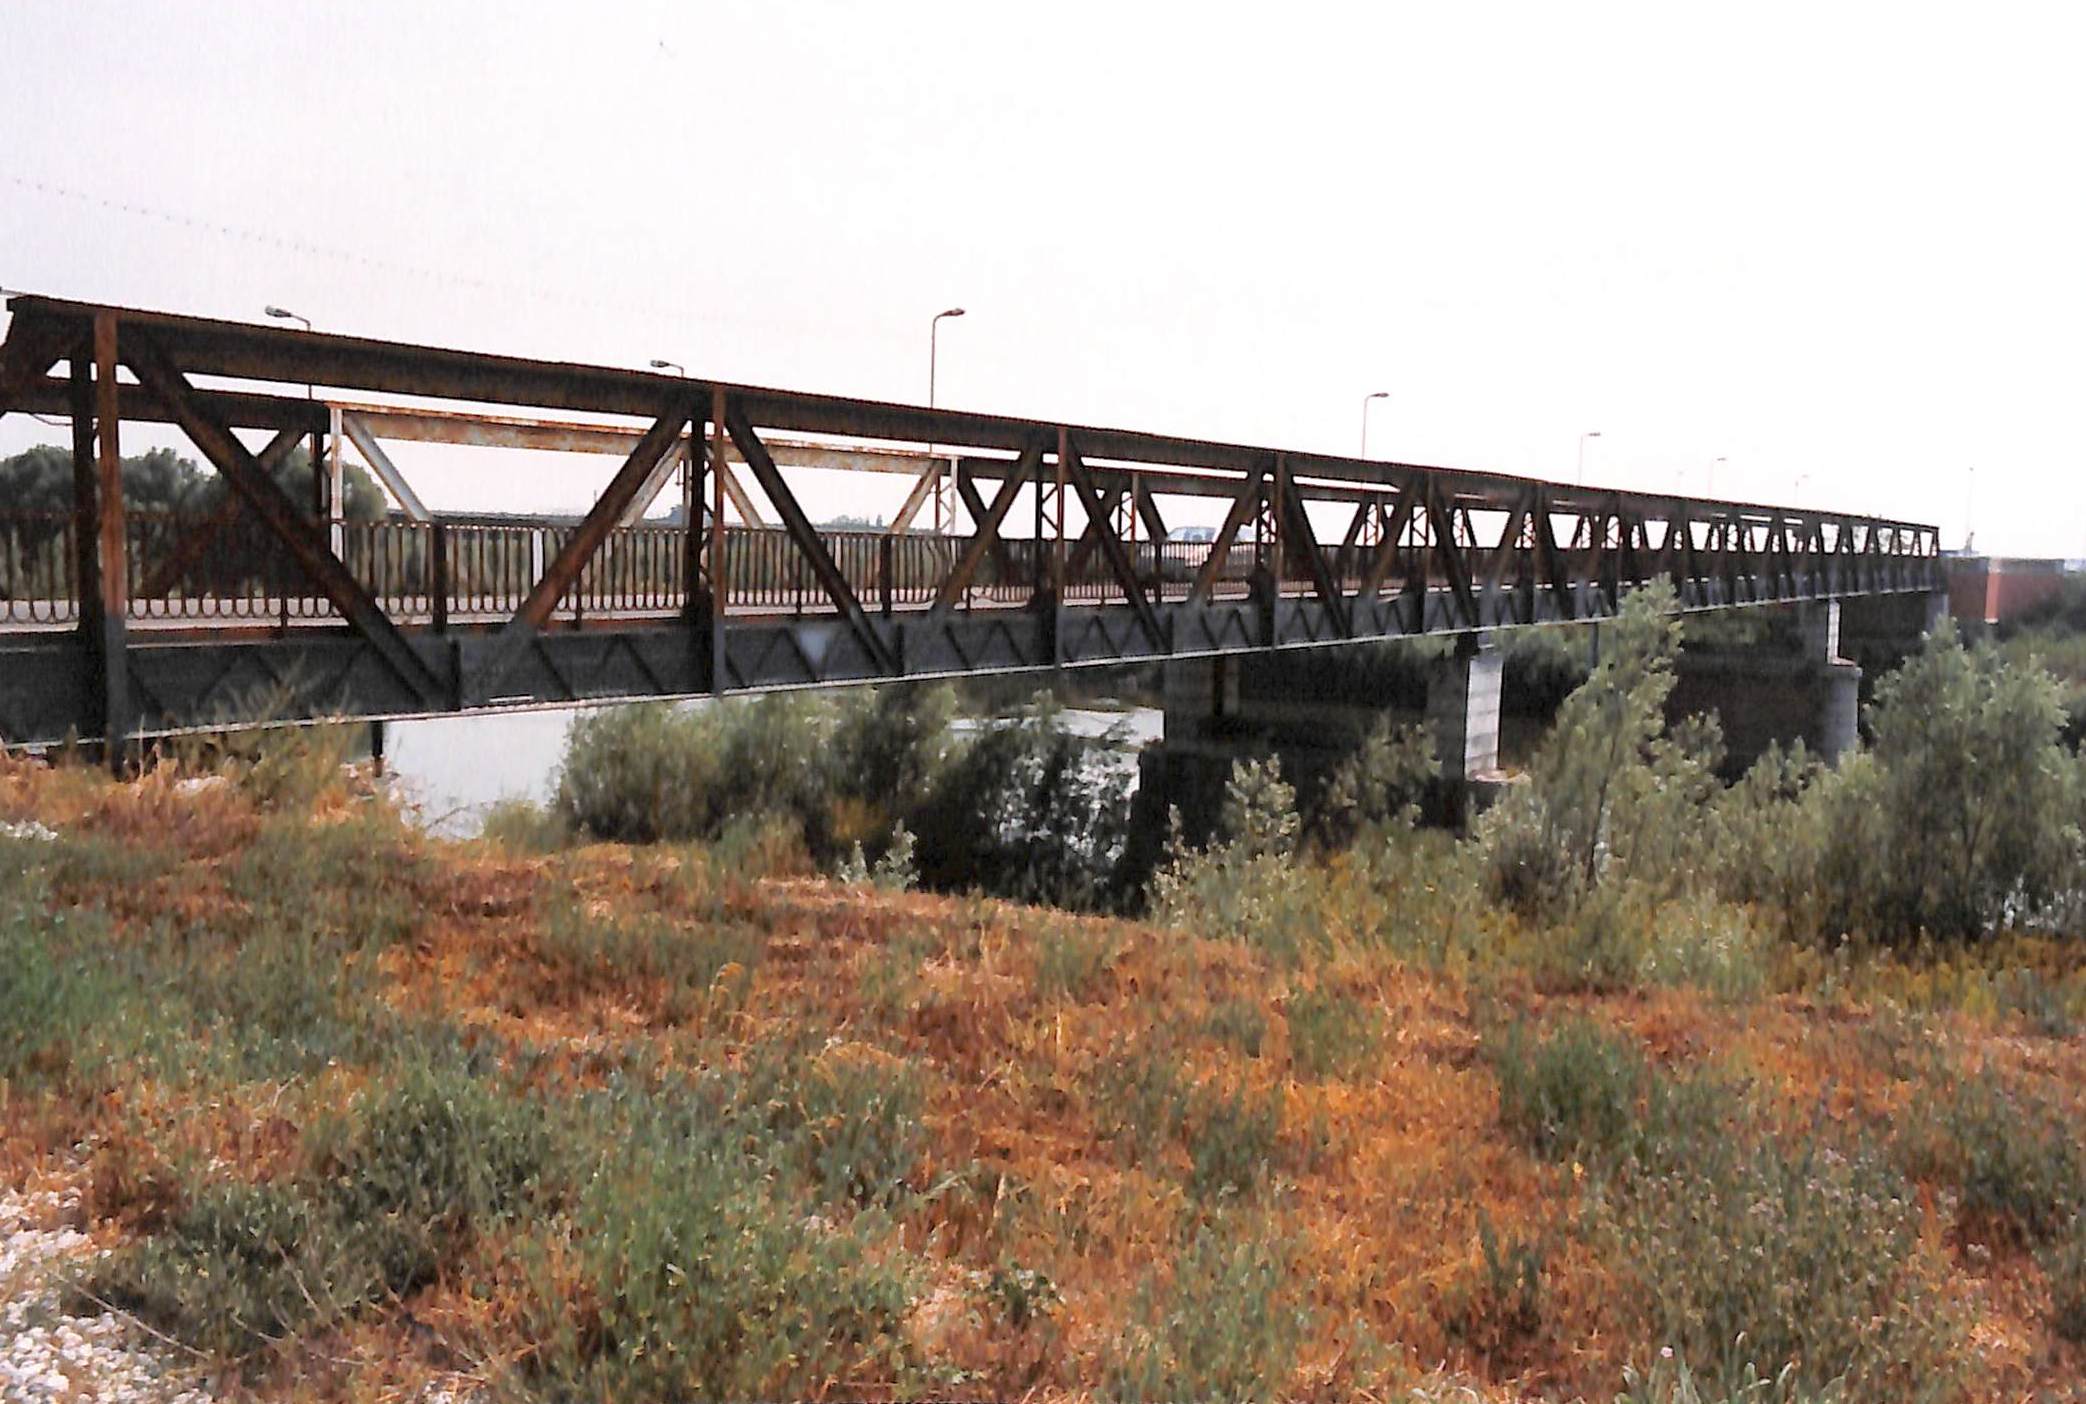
point(128, 622)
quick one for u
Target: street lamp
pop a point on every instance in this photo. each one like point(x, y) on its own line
point(658, 364)
point(933, 336)
point(1366, 401)
point(1711, 489)
point(284, 314)
point(1589, 434)
point(322, 489)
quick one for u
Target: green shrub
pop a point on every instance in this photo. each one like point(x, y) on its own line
point(1770, 836)
point(524, 827)
point(2014, 1160)
point(50, 997)
point(861, 1128)
point(705, 1278)
point(1232, 1139)
point(1029, 812)
point(1071, 961)
point(394, 1192)
point(1952, 825)
point(1380, 785)
point(1143, 1100)
point(240, 1267)
point(1258, 818)
point(431, 1162)
point(1021, 1295)
point(837, 771)
point(1237, 891)
point(1223, 1330)
point(1241, 1023)
point(1503, 1302)
point(1706, 944)
point(2064, 1265)
point(1329, 1032)
point(1611, 792)
point(894, 872)
point(1755, 1254)
point(1575, 1091)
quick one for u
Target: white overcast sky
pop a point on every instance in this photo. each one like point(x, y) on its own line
point(1839, 246)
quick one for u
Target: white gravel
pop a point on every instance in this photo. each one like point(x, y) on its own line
point(47, 1355)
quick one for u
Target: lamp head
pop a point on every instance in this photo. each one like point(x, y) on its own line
point(951, 312)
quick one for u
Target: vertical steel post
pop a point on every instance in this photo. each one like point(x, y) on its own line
point(1057, 525)
point(720, 592)
point(86, 496)
point(438, 574)
point(336, 507)
point(116, 715)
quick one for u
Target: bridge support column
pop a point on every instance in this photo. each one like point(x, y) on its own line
point(1310, 709)
point(1792, 685)
point(1463, 710)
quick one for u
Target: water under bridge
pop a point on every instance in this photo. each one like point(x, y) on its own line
point(1019, 544)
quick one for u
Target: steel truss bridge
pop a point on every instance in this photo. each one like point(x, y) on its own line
point(117, 623)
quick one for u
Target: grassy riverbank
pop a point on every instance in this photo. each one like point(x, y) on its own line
point(360, 1109)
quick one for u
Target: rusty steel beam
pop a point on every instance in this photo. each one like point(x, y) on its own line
point(1243, 507)
point(922, 489)
point(1388, 548)
point(1111, 544)
point(266, 353)
point(279, 515)
point(25, 357)
point(365, 441)
point(563, 569)
point(985, 535)
point(806, 537)
point(1297, 529)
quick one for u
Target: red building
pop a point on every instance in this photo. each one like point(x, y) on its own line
point(1987, 590)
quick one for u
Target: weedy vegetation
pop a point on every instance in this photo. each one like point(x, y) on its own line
point(825, 1048)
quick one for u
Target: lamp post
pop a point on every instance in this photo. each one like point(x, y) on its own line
point(321, 488)
point(1589, 434)
point(1710, 490)
point(1367, 400)
point(933, 337)
point(687, 459)
point(934, 328)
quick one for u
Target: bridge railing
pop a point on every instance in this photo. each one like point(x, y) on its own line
point(190, 567)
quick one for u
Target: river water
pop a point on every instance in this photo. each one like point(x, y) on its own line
point(456, 768)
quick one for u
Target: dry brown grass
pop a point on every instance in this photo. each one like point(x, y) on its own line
point(1385, 1171)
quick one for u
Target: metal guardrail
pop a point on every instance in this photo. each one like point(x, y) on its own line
point(205, 570)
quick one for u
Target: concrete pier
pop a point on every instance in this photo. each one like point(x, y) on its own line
point(1792, 685)
point(1311, 710)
